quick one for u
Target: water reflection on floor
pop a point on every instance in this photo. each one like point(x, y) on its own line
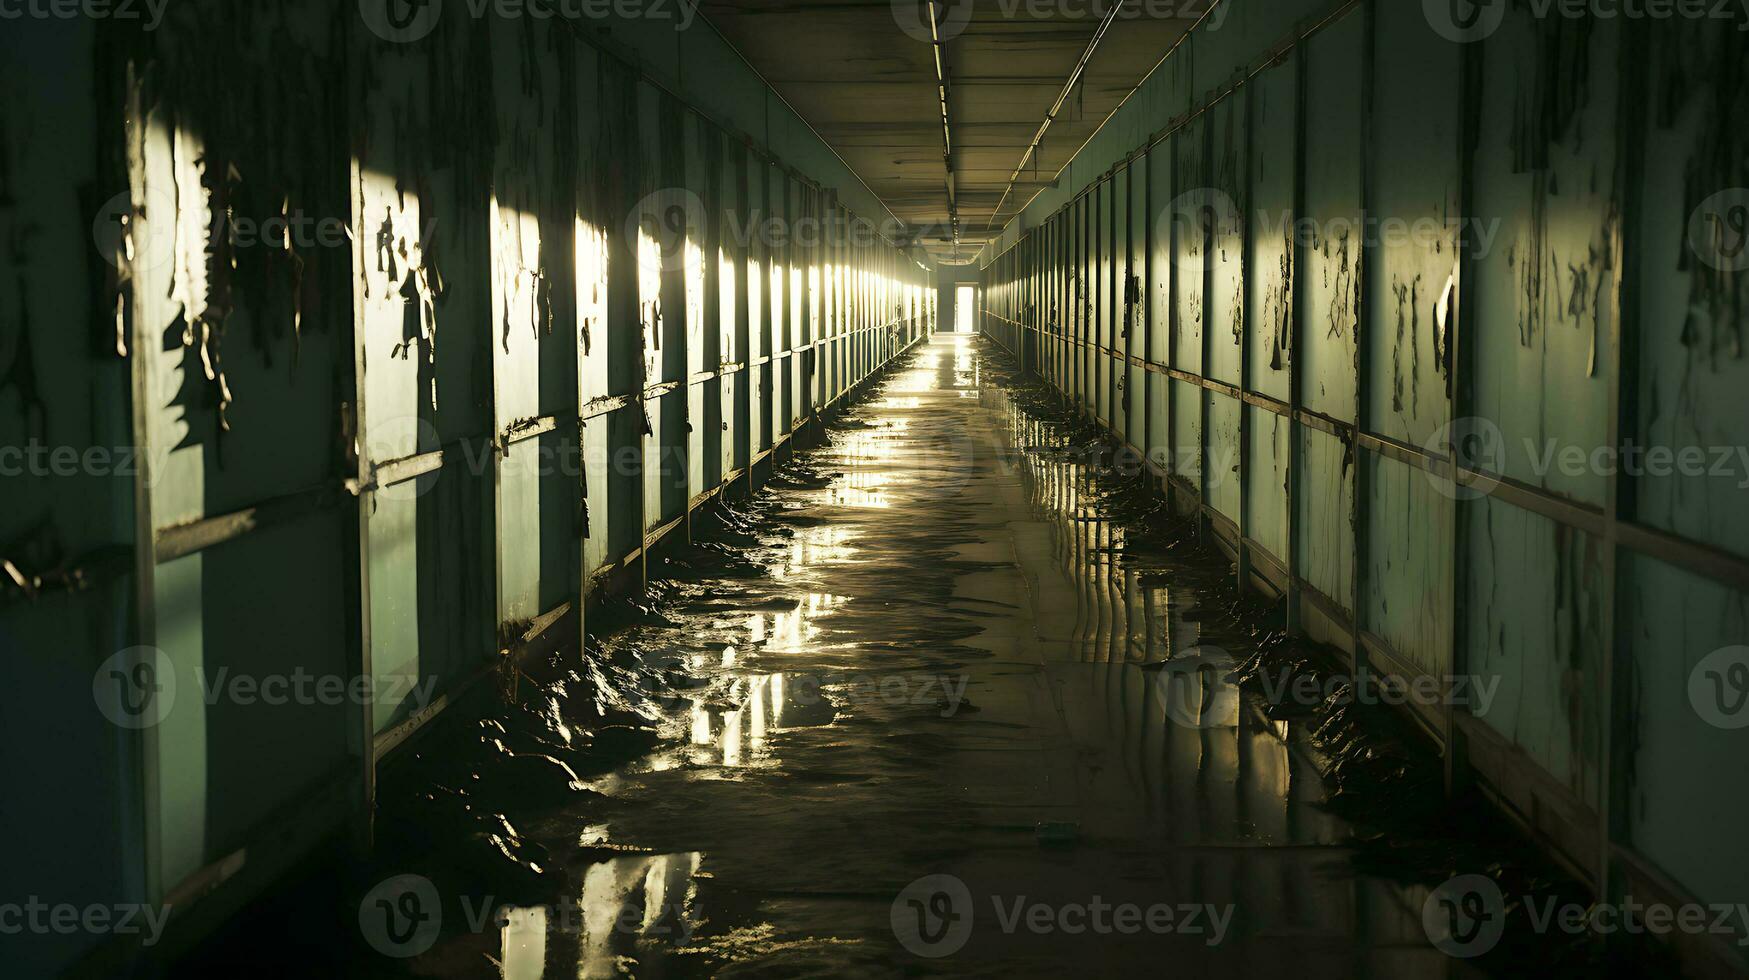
point(949, 671)
point(931, 712)
point(626, 903)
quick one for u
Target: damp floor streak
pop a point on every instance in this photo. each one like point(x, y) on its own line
point(924, 743)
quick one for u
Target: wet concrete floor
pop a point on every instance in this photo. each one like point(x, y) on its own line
point(909, 712)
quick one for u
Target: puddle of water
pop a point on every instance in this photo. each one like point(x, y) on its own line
point(937, 649)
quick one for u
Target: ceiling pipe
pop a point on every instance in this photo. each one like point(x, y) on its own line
point(1057, 107)
point(937, 44)
point(1170, 51)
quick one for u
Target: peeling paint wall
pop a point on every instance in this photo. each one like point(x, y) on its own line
point(1452, 276)
point(1692, 396)
point(413, 342)
point(238, 343)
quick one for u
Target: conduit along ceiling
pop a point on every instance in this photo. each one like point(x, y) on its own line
point(1026, 83)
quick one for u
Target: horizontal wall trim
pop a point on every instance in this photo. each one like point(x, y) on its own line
point(393, 737)
point(180, 540)
point(90, 570)
point(526, 429)
point(407, 468)
point(1685, 553)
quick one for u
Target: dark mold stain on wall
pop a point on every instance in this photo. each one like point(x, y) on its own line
point(1547, 126)
point(1712, 68)
point(1408, 316)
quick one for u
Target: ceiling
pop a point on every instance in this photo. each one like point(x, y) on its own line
point(863, 74)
